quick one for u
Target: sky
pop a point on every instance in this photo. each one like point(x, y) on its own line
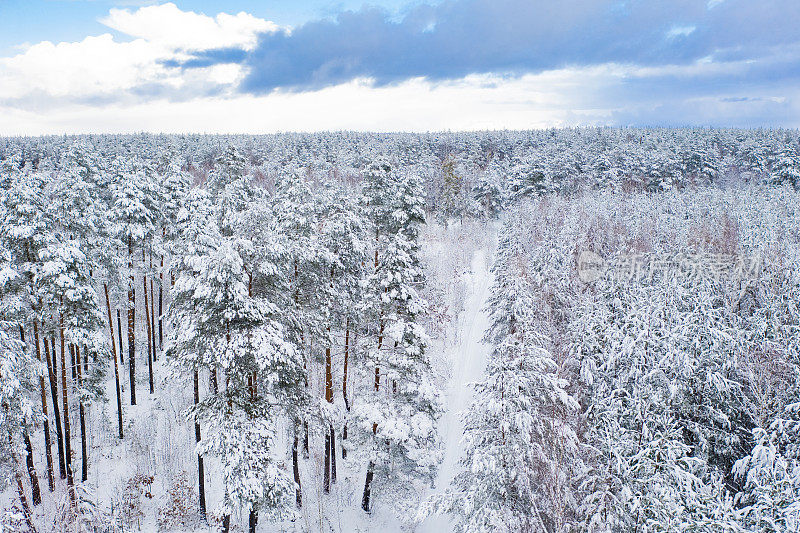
point(249, 66)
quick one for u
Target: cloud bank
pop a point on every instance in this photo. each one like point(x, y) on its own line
point(461, 37)
point(101, 69)
point(458, 64)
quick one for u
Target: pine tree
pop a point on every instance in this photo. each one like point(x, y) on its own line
point(786, 167)
point(700, 162)
point(231, 188)
point(397, 424)
point(175, 189)
point(223, 326)
point(342, 237)
point(526, 180)
point(771, 475)
point(450, 195)
point(25, 230)
point(17, 380)
point(638, 366)
point(134, 216)
point(295, 212)
point(82, 209)
point(488, 193)
point(520, 448)
point(67, 288)
point(197, 239)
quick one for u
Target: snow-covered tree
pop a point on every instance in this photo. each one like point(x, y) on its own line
point(18, 372)
point(303, 262)
point(66, 288)
point(771, 475)
point(26, 230)
point(515, 471)
point(640, 363)
point(700, 162)
point(134, 216)
point(526, 180)
point(396, 418)
point(786, 167)
point(488, 193)
point(224, 328)
point(343, 239)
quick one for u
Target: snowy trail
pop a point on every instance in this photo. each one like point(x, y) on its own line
point(468, 361)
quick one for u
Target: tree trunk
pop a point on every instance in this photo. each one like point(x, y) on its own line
point(302, 345)
point(326, 476)
point(305, 439)
point(344, 382)
point(346, 363)
point(48, 450)
point(153, 315)
point(328, 374)
point(119, 334)
point(161, 306)
point(36, 494)
point(55, 354)
point(333, 455)
point(296, 468)
point(226, 523)
point(149, 338)
point(65, 403)
point(116, 366)
point(72, 359)
point(253, 520)
point(251, 382)
point(132, 339)
point(23, 500)
point(56, 414)
point(213, 379)
point(48, 444)
point(328, 398)
point(378, 371)
point(81, 410)
point(365, 499)
point(201, 487)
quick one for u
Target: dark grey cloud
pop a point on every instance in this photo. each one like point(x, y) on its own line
point(711, 111)
point(460, 37)
point(207, 58)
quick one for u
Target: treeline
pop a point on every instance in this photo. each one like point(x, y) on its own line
point(471, 173)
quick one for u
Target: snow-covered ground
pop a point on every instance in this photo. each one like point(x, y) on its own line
point(468, 359)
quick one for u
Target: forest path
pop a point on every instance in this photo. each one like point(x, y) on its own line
point(468, 363)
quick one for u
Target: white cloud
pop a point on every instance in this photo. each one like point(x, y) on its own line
point(563, 97)
point(99, 67)
point(680, 31)
point(475, 102)
point(168, 26)
point(94, 66)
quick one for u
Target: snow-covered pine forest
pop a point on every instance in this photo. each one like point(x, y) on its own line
point(567, 330)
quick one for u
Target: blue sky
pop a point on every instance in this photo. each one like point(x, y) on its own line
point(259, 66)
point(71, 20)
